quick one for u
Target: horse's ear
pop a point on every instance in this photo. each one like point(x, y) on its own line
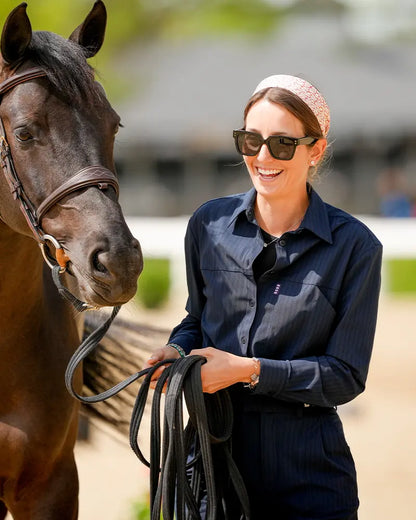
point(16, 35)
point(90, 34)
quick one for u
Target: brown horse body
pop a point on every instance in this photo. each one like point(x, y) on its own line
point(55, 127)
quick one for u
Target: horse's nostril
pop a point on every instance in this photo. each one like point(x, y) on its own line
point(98, 266)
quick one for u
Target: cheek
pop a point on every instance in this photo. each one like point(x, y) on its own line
point(301, 167)
point(249, 164)
point(302, 158)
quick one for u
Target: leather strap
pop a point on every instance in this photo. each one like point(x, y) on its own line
point(89, 176)
point(16, 187)
point(23, 77)
point(209, 430)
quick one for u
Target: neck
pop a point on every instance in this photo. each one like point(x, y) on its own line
point(280, 215)
point(21, 281)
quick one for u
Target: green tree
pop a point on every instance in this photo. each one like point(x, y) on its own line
point(132, 21)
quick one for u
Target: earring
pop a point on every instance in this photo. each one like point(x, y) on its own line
point(312, 163)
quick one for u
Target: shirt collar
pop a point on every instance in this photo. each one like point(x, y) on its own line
point(316, 217)
point(246, 205)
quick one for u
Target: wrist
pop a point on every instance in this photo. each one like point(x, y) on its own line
point(254, 374)
point(178, 349)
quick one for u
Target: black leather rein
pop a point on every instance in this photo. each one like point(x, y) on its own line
point(178, 481)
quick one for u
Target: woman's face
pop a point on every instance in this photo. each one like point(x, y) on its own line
point(273, 177)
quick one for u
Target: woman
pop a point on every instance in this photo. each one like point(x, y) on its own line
point(283, 294)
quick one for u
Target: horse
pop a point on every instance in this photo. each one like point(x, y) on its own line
point(59, 197)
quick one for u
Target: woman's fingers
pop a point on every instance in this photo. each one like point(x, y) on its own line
point(159, 355)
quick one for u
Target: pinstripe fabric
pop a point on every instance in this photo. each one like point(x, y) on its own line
point(297, 467)
point(310, 319)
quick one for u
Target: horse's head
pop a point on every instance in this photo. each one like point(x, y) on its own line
point(60, 131)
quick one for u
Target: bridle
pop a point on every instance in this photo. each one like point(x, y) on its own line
point(94, 175)
point(160, 486)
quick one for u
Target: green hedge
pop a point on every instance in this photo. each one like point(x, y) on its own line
point(401, 275)
point(154, 283)
point(141, 510)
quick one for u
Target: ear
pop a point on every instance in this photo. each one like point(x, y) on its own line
point(318, 150)
point(90, 34)
point(16, 35)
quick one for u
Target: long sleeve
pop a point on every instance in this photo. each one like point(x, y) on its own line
point(340, 374)
point(188, 333)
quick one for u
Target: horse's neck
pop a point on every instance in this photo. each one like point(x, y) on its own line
point(21, 278)
point(27, 293)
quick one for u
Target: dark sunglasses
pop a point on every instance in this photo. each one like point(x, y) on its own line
point(280, 147)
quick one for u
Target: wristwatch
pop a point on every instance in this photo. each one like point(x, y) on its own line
point(255, 376)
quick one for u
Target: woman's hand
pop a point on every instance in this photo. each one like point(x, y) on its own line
point(223, 369)
point(160, 354)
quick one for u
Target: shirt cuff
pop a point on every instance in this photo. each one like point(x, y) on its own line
point(274, 375)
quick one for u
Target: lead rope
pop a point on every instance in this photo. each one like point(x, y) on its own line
point(177, 485)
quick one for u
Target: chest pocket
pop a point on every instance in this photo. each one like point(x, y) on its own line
point(296, 316)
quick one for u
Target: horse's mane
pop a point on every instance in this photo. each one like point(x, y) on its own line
point(65, 64)
point(122, 352)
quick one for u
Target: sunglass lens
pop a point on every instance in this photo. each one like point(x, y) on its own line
point(282, 148)
point(249, 144)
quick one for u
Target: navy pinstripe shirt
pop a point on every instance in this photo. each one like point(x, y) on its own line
point(310, 318)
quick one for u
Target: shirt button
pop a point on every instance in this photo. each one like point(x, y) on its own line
point(282, 242)
point(252, 303)
point(243, 340)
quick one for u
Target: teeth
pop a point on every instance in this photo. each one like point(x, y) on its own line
point(268, 172)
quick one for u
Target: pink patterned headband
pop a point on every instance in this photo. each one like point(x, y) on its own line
point(307, 93)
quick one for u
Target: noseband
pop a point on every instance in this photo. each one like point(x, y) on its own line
point(95, 175)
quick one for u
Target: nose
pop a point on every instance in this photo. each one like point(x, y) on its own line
point(264, 153)
point(111, 262)
point(117, 267)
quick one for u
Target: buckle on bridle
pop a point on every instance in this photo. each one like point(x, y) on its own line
point(4, 148)
point(17, 189)
point(60, 256)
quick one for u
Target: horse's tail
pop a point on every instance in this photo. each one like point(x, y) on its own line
point(122, 352)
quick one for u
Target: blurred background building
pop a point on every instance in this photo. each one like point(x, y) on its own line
point(176, 149)
point(179, 72)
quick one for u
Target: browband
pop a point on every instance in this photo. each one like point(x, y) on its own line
point(17, 79)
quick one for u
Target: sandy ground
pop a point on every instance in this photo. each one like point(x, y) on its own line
point(380, 426)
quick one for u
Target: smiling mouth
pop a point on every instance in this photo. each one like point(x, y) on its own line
point(268, 174)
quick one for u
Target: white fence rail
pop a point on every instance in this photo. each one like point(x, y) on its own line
point(163, 237)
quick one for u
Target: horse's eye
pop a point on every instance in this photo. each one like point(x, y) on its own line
point(23, 136)
point(118, 128)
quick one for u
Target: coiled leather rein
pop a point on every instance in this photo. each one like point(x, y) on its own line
point(179, 482)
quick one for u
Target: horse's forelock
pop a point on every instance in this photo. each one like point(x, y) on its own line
point(65, 64)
